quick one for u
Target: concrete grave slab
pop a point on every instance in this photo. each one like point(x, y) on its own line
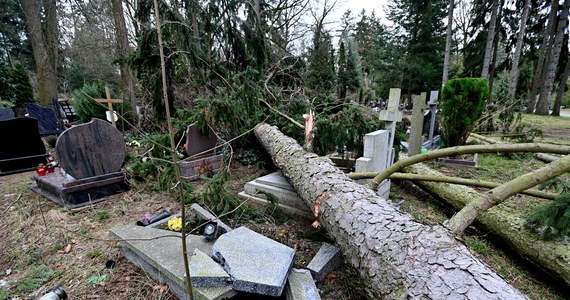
point(327, 259)
point(276, 184)
point(301, 286)
point(255, 263)
point(159, 253)
point(205, 272)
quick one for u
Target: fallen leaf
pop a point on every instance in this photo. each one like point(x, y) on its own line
point(74, 242)
point(67, 248)
point(331, 276)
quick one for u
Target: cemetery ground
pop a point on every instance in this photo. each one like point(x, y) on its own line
point(43, 245)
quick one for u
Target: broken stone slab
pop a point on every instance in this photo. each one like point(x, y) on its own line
point(263, 202)
point(255, 263)
point(159, 253)
point(327, 259)
point(205, 272)
point(301, 286)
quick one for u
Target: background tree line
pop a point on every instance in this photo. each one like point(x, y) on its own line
point(223, 56)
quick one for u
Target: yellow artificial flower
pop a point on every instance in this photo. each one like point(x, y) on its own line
point(135, 144)
point(175, 224)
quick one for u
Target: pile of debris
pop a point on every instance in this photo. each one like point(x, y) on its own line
point(239, 261)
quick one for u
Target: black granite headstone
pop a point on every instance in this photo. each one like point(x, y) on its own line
point(91, 149)
point(22, 148)
point(6, 114)
point(47, 122)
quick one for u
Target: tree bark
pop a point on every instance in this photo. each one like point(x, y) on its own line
point(543, 52)
point(543, 105)
point(122, 46)
point(448, 43)
point(43, 36)
point(514, 77)
point(400, 257)
point(490, 37)
point(505, 223)
point(561, 90)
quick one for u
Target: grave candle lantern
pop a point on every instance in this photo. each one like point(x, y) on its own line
point(41, 170)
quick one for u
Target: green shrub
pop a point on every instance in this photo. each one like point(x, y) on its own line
point(463, 101)
point(23, 90)
point(86, 107)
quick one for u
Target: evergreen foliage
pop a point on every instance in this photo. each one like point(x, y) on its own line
point(321, 73)
point(7, 93)
point(23, 91)
point(552, 219)
point(463, 101)
point(344, 128)
point(86, 107)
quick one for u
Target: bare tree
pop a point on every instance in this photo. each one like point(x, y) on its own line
point(490, 40)
point(448, 42)
point(543, 105)
point(516, 57)
point(543, 51)
point(43, 31)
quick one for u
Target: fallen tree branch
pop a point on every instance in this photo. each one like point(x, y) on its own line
point(527, 147)
point(506, 223)
point(448, 179)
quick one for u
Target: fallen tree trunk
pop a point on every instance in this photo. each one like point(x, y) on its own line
point(506, 223)
point(400, 257)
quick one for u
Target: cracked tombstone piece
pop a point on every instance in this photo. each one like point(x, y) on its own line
point(256, 264)
point(205, 272)
point(159, 253)
point(327, 259)
point(278, 186)
point(301, 286)
point(206, 215)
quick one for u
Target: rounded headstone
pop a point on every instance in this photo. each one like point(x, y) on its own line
point(91, 149)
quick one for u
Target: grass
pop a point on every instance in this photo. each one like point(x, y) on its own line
point(34, 278)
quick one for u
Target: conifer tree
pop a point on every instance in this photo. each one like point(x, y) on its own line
point(23, 91)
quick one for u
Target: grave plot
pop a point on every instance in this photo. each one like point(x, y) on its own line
point(203, 158)
point(91, 156)
point(21, 149)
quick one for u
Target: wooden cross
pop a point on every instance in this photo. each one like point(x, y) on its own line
point(110, 102)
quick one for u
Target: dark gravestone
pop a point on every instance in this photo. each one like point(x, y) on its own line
point(22, 148)
point(92, 155)
point(202, 159)
point(91, 149)
point(6, 114)
point(47, 122)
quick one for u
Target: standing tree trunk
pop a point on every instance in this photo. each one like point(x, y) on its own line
point(543, 53)
point(490, 37)
point(543, 105)
point(44, 38)
point(561, 90)
point(446, 58)
point(122, 45)
point(400, 257)
point(514, 77)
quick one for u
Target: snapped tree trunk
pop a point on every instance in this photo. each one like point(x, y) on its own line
point(506, 223)
point(400, 257)
point(543, 105)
